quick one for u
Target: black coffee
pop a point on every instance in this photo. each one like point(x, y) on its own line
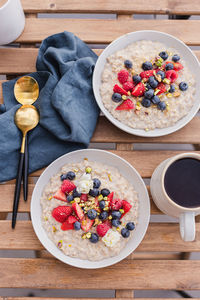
point(182, 182)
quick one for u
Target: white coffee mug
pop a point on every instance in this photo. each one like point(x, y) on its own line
point(167, 205)
point(12, 21)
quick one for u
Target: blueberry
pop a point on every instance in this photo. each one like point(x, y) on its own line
point(92, 214)
point(163, 55)
point(175, 57)
point(2, 108)
point(70, 198)
point(77, 225)
point(70, 175)
point(153, 82)
point(102, 204)
point(75, 193)
point(161, 105)
point(94, 238)
point(130, 226)
point(116, 214)
point(147, 65)
point(128, 64)
point(116, 222)
point(96, 183)
point(169, 66)
point(148, 87)
point(125, 232)
point(63, 177)
point(155, 100)
point(116, 97)
point(105, 192)
point(137, 78)
point(103, 215)
point(183, 86)
point(146, 102)
point(94, 192)
point(162, 74)
point(149, 94)
point(172, 88)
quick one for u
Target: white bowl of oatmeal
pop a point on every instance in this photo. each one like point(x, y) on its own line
point(92, 244)
point(139, 113)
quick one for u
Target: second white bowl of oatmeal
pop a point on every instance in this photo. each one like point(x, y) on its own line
point(127, 171)
point(169, 41)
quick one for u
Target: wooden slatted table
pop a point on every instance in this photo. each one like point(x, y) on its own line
point(160, 262)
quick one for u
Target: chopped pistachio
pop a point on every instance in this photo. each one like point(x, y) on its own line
point(169, 95)
point(88, 170)
point(138, 107)
point(176, 94)
point(166, 80)
point(110, 217)
point(106, 203)
point(138, 103)
point(83, 236)
point(129, 93)
point(46, 218)
point(60, 243)
point(109, 177)
point(88, 235)
point(121, 211)
point(158, 77)
point(118, 229)
point(75, 170)
point(106, 209)
point(69, 245)
point(54, 229)
point(124, 97)
point(158, 63)
point(72, 201)
point(100, 197)
point(50, 198)
point(105, 198)
point(77, 200)
point(156, 91)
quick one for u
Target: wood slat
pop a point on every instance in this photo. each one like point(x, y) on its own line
point(138, 274)
point(160, 237)
point(42, 298)
point(105, 31)
point(113, 6)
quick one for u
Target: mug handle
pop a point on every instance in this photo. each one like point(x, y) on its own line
point(187, 226)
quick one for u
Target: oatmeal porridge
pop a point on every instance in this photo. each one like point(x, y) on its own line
point(147, 85)
point(89, 210)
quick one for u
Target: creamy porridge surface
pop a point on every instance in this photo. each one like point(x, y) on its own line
point(151, 117)
point(71, 242)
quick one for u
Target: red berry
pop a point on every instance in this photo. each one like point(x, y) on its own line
point(138, 90)
point(84, 197)
point(118, 89)
point(78, 210)
point(116, 204)
point(172, 75)
point(125, 105)
point(67, 186)
point(86, 224)
point(162, 88)
point(71, 219)
point(67, 226)
point(128, 86)
point(123, 76)
point(107, 222)
point(110, 196)
point(60, 195)
point(146, 74)
point(178, 66)
point(102, 229)
point(61, 213)
point(126, 206)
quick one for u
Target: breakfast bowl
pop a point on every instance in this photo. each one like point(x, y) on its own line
point(68, 216)
point(145, 83)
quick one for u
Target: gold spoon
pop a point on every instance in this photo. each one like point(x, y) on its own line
point(26, 118)
point(26, 91)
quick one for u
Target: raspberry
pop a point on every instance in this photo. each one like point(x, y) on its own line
point(116, 204)
point(123, 76)
point(102, 229)
point(67, 186)
point(146, 74)
point(128, 86)
point(172, 75)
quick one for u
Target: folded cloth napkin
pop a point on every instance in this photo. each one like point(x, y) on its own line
point(68, 111)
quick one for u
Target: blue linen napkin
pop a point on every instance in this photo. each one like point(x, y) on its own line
point(68, 111)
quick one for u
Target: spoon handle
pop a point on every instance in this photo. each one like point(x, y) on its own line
point(17, 189)
point(25, 170)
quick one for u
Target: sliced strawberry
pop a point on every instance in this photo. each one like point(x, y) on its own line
point(96, 202)
point(102, 229)
point(178, 66)
point(128, 86)
point(123, 76)
point(110, 196)
point(67, 186)
point(61, 213)
point(86, 224)
point(67, 226)
point(84, 197)
point(118, 89)
point(161, 87)
point(126, 206)
point(116, 204)
point(60, 196)
point(72, 219)
point(138, 90)
point(146, 74)
point(125, 105)
point(107, 222)
point(172, 75)
point(78, 210)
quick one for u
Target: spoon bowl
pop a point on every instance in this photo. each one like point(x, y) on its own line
point(26, 90)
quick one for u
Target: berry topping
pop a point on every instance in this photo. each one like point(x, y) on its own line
point(172, 75)
point(175, 57)
point(84, 197)
point(96, 183)
point(118, 89)
point(153, 82)
point(155, 99)
point(60, 195)
point(102, 204)
point(67, 186)
point(138, 90)
point(146, 74)
point(178, 66)
point(172, 88)
point(76, 193)
point(162, 74)
point(71, 219)
point(102, 229)
point(130, 226)
point(77, 226)
point(92, 214)
point(163, 55)
point(61, 213)
point(67, 226)
point(125, 232)
point(70, 175)
point(169, 66)
point(105, 192)
point(103, 215)
point(146, 102)
point(128, 64)
point(107, 222)
point(63, 177)
point(86, 224)
point(123, 76)
point(116, 214)
point(161, 105)
point(94, 192)
point(78, 210)
point(110, 196)
point(147, 65)
point(94, 238)
point(126, 207)
point(116, 222)
point(161, 87)
point(128, 86)
point(183, 86)
point(136, 79)
point(116, 204)
point(126, 105)
point(149, 94)
point(70, 198)
point(116, 97)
